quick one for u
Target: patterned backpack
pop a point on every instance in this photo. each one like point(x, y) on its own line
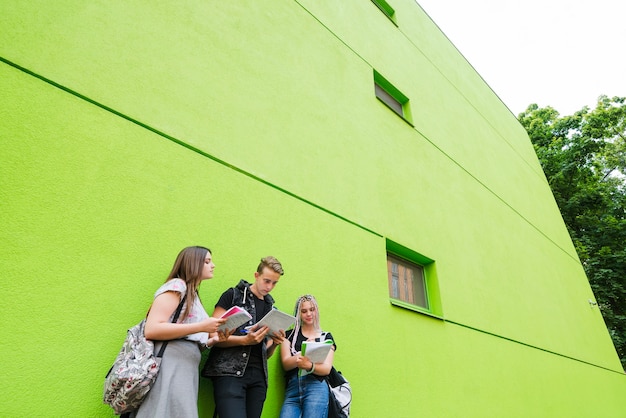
point(134, 371)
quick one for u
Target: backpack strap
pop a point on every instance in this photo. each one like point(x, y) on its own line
point(176, 315)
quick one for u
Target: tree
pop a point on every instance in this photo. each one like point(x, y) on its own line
point(584, 159)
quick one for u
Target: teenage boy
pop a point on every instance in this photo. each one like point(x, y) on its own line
point(238, 366)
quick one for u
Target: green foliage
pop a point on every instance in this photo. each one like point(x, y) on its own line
point(584, 159)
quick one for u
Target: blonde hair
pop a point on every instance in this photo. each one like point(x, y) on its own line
point(271, 263)
point(296, 313)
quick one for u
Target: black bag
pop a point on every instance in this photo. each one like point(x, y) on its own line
point(340, 396)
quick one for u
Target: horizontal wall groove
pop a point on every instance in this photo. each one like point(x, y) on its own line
point(574, 257)
point(417, 48)
point(250, 175)
point(183, 144)
point(497, 196)
point(482, 331)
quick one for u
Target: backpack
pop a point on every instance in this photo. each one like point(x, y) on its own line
point(133, 373)
point(340, 396)
point(134, 370)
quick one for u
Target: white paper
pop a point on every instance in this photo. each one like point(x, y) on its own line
point(316, 351)
point(277, 320)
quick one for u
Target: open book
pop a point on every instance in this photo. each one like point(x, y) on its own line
point(235, 317)
point(316, 351)
point(277, 320)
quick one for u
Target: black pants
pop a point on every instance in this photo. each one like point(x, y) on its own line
point(238, 397)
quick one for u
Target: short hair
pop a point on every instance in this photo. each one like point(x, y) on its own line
point(272, 263)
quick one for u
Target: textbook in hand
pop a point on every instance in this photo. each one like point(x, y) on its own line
point(235, 317)
point(277, 320)
point(316, 351)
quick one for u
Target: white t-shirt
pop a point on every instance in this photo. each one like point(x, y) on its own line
point(196, 314)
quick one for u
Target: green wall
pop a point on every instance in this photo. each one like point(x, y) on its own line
point(130, 130)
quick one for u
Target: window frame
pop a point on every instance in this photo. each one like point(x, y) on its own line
point(413, 287)
point(387, 10)
point(391, 97)
point(430, 281)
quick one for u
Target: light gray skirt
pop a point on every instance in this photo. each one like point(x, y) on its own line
point(175, 391)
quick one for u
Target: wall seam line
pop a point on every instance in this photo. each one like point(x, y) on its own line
point(183, 144)
point(573, 257)
point(532, 346)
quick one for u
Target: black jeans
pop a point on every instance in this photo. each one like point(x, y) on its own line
point(239, 397)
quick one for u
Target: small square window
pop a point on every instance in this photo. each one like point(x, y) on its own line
point(406, 282)
point(392, 97)
point(389, 100)
point(412, 280)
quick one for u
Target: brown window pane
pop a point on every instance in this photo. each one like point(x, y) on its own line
point(406, 282)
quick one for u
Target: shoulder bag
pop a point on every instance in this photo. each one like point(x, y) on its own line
point(135, 369)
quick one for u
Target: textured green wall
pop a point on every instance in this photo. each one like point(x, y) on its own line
point(129, 130)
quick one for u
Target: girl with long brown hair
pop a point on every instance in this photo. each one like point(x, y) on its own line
point(175, 391)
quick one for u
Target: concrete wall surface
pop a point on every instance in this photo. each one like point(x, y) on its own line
point(129, 130)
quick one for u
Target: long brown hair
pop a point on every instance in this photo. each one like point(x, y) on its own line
point(188, 267)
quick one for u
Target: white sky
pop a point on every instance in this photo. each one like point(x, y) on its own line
point(555, 53)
